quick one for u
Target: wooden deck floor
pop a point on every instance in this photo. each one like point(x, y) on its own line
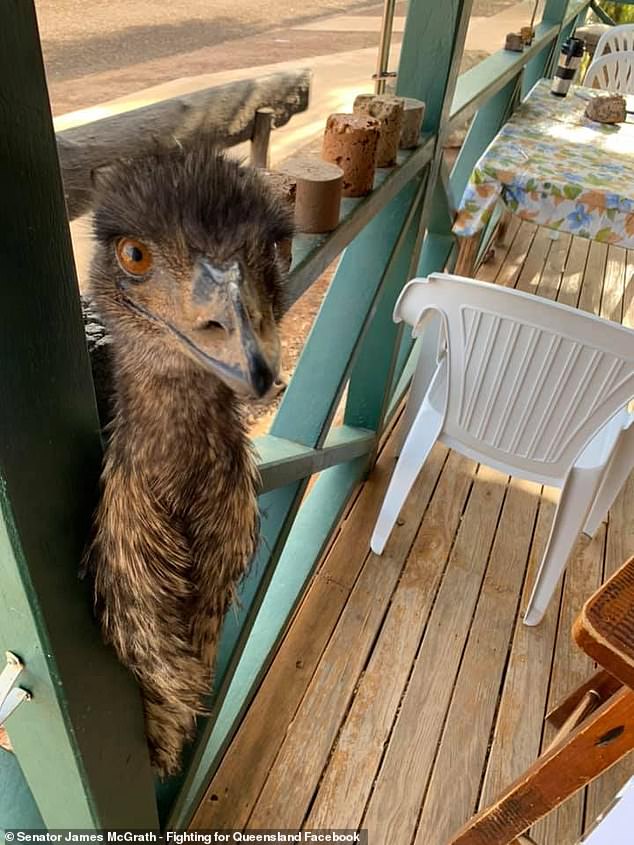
point(407, 692)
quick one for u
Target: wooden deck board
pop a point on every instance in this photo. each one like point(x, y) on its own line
point(407, 692)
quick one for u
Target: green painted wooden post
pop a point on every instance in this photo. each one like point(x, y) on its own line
point(484, 127)
point(80, 741)
point(434, 38)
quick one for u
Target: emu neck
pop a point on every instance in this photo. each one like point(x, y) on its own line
point(176, 414)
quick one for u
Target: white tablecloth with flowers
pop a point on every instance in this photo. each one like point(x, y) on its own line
point(553, 166)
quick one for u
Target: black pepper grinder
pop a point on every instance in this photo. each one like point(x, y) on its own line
point(569, 59)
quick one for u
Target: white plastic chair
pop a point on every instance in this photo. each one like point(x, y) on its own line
point(530, 387)
point(615, 39)
point(612, 72)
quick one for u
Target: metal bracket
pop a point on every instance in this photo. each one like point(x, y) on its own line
point(10, 695)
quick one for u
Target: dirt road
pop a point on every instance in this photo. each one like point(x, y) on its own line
point(95, 50)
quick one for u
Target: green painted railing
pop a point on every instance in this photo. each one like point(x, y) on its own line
point(79, 742)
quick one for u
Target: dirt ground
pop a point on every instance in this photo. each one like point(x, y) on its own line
point(97, 51)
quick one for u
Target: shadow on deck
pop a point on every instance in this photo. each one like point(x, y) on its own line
point(407, 692)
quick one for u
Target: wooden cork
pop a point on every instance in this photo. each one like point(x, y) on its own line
point(514, 42)
point(285, 187)
point(318, 197)
point(351, 142)
point(388, 110)
point(413, 115)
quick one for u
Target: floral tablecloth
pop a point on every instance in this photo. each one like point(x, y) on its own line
point(552, 165)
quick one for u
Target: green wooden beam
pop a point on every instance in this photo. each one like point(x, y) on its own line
point(484, 127)
point(17, 805)
point(80, 742)
point(282, 461)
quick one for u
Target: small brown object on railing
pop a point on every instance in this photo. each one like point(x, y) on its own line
point(514, 42)
point(318, 199)
point(286, 188)
point(596, 722)
point(388, 110)
point(351, 142)
point(413, 116)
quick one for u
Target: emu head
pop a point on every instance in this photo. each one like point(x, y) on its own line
point(186, 268)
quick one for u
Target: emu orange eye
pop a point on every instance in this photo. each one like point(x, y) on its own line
point(133, 256)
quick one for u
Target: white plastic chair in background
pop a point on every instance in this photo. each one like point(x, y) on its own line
point(530, 387)
point(615, 39)
point(612, 72)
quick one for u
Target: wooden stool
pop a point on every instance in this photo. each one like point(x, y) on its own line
point(596, 722)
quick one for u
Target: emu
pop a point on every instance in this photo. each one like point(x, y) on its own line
point(187, 279)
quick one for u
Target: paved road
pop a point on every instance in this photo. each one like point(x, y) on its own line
point(82, 37)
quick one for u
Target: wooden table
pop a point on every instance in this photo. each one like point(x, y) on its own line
point(553, 166)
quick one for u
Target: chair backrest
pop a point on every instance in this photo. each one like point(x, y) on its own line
point(612, 72)
point(530, 381)
point(615, 39)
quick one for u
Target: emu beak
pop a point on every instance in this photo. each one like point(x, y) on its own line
point(224, 337)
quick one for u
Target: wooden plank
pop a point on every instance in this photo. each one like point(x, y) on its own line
point(517, 256)
point(80, 742)
point(590, 299)
point(234, 789)
point(613, 284)
point(531, 272)
point(464, 744)
point(570, 288)
point(553, 271)
point(563, 770)
point(523, 700)
point(413, 743)
point(489, 270)
point(288, 790)
point(347, 780)
point(571, 667)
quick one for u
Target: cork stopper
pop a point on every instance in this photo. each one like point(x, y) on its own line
point(351, 142)
point(413, 115)
point(286, 188)
point(388, 110)
point(318, 198)
point(282, 184)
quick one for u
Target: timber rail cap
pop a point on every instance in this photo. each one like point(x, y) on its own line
point(225, 112)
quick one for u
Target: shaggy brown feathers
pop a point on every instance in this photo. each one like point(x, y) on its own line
point(176, 526)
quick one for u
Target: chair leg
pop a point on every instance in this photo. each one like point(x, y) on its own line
point(575, 501)
point(421, 437)
point(595, 745)
point(614, 478)
point(426, 367)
